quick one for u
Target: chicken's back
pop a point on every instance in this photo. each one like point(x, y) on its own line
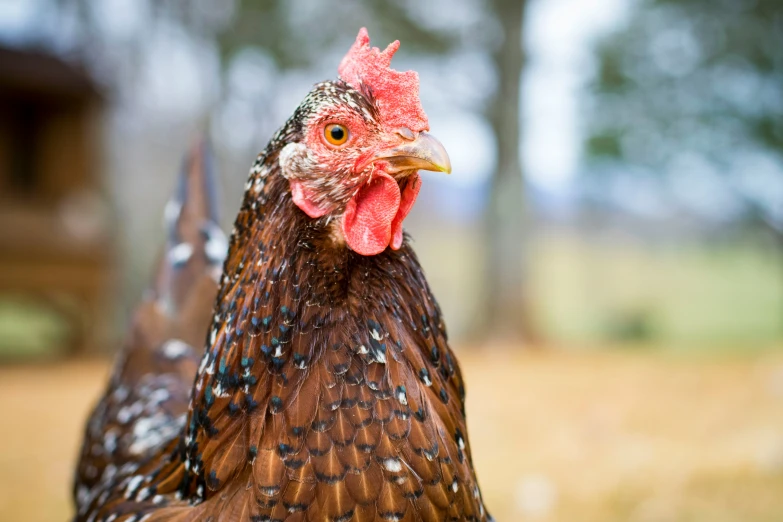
point(146, 402)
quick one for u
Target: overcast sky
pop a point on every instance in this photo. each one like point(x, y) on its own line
point(560, 36)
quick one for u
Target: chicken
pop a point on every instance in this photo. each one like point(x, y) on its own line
point(327, 390)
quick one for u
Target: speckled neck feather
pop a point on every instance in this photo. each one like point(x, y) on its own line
point(327, 390)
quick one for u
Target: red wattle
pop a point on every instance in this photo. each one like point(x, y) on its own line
point(408, 198)
point(373, 217)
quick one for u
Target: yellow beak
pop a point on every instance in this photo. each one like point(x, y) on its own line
point(422, 153)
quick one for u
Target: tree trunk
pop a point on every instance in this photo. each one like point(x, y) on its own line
point(506, 314)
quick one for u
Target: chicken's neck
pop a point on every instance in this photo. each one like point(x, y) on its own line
point(294, 309)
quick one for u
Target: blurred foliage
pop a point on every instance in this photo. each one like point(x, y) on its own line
point(295, 33)
point(691, 85)
point(692, 63)
point(31, 328)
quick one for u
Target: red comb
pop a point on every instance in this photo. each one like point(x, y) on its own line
point(396, 93)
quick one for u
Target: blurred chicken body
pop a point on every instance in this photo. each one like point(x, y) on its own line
point(327, 390)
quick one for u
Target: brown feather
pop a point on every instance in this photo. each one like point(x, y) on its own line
point(300, 415)
point(384, 410)
point(343, 432)
point(398, 427)
point(328, 468)
point(229, 458)
point(368, 438)
point(331, 397)
point(337, 502)
point(353, 459)
point(268, 472)
point(391, 504)
point(318, 442)
point(365, 397)
point(427, 510)
point(364, 487)
point(298, 496)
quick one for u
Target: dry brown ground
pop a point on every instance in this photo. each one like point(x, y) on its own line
point(606, 437)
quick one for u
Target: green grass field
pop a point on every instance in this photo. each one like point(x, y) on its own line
point(683, 295)
point(623, 290)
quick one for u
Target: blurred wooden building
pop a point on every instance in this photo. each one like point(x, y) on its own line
point(55, 248)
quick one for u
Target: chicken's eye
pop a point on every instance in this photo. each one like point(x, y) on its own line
point(336, 134)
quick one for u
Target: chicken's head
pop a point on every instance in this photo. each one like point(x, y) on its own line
point(362, 142)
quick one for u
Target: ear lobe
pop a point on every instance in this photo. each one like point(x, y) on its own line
point(304, 199)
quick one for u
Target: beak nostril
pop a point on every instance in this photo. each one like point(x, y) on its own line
point(406, 133)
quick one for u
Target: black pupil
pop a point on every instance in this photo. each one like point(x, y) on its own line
point(337, 133)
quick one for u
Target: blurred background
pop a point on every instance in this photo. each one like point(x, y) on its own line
point(609, 246)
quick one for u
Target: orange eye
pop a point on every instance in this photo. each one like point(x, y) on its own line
point(336, 134)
